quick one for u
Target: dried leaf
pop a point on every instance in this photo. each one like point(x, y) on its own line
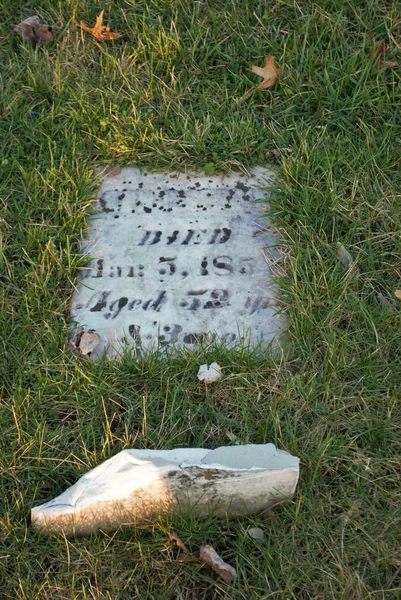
point(384, 303)
point(256, 533)
point(32, 30)
point(232, 437)
point(208, 555)
point(174, 538)
point(269, 72)
point(387, 64)
point(268, 513)
point(344, 256)
point(397, 294)
point(376, 51)
point(112, 171)
point(88, 342)
point(99, 31)
point(278, 152)
point(211, 374)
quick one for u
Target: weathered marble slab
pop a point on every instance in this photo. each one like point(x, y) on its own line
point(137, 485)
point(177, 259)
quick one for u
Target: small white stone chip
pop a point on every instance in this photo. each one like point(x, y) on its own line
point(256, 533)
point(211, 374)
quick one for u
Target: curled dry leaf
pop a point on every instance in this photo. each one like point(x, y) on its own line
point(232, 437)
point(86, 342)
point(269, 72)
point(268, 513)
point(185, 556)
point(211, 374)
point(112, 171)
point(256, 533)
point(99, 31)
point(32, 30)
point(174, 538)
point(209, 555)
point(387, 64)
point(377, 50)
point(344, 256)
point(278, 152)
point(384, 303)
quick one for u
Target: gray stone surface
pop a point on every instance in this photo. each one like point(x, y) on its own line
point(178, 259)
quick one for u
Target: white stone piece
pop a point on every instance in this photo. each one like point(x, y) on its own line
point(211, 374)
point(256, 533)
point(179, 260)
point(137, 485)
point(209, 555)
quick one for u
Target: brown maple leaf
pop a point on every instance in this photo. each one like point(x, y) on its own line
point(100, 31)
point(269, 72)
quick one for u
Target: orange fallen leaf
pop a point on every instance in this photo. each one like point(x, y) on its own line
point(269, 72)
point(100, 31)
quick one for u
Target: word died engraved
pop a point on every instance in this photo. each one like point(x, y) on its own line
point(187, 238)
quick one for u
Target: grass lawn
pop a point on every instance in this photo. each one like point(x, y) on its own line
point(166, 96)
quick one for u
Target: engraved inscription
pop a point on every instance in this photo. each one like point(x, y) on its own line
point(186, 237)
point(179, 260)
point(221, 266)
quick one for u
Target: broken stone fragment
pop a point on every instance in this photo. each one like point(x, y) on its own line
point(209, 555)
point(211, 374)
point(138, 485)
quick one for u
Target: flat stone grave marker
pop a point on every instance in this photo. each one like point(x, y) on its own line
point(179, 259)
